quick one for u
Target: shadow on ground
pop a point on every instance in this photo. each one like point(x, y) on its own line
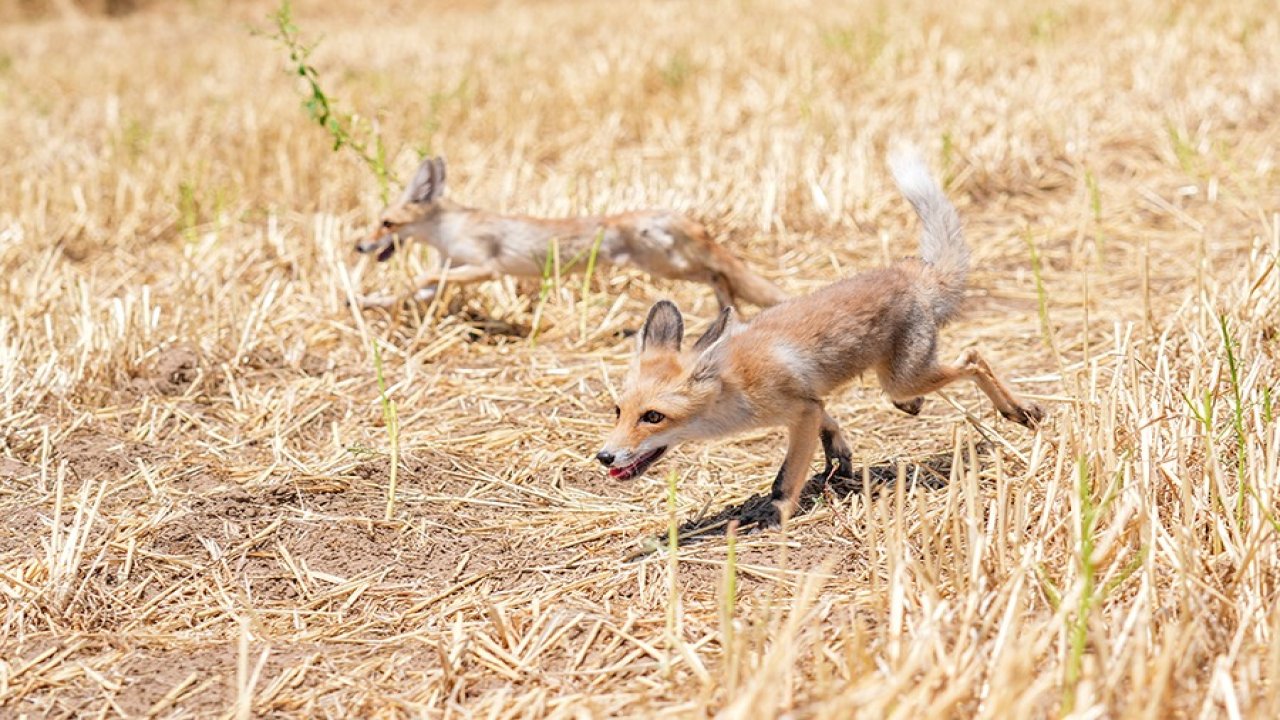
point(758, 512)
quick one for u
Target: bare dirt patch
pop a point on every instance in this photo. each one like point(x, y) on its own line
point(15, 470)
point(96, 456)
point(171, 371)
point(20, 533)
point(286, 536)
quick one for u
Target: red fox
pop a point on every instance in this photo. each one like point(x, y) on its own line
point(479, 245)
point(777, 369)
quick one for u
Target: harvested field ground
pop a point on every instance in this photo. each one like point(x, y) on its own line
point(194, 457)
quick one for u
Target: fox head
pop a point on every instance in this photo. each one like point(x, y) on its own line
point(669, 395)
point(411, 217)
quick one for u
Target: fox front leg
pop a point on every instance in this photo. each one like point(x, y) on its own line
point(836, 451)
point(428, 284)
point(791, 478)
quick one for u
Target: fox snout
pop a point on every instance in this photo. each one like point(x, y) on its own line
point(384, 244)
point(628, 464)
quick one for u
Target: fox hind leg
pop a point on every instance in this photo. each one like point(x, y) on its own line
point(905, 386)
point(914, 355)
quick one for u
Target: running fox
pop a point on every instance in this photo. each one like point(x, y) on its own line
point(777, 369)
point(478, 245)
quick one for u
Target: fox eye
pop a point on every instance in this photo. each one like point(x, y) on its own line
point(652, 417)
point(617, 411)
point(386, 224)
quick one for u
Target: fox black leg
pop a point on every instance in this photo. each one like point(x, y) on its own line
point(834, 448)
point(910, 407)
point(779, 491)
point(839, 458)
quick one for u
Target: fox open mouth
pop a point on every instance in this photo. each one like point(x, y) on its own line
point(638, 466)
point(384, 245)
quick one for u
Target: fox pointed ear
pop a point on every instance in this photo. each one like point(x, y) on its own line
point(663, 329)
point(710, 363)
point(428, 182)
point(438, 162)
point(723, 322)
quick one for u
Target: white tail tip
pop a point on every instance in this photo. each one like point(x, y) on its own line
point(911, 172)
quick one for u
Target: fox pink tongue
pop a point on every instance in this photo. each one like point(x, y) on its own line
point(625, 471)
point(636, 466)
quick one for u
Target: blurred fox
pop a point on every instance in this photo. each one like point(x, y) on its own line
point(476, 245)
point(777, 369)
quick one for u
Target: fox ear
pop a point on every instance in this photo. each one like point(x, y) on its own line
point(438, 162)
point(722, 322)
point(709, 364)
point(663, 329)
point(428, 182)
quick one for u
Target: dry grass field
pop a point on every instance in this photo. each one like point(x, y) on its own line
point(195, 457)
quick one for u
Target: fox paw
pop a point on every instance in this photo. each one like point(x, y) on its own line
point(1029, 414)
point(765, 516)
point(910, 407)
point(367, 302)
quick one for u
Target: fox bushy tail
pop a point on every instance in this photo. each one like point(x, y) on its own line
point(941, 242)
point(743, 282)
point(752, 287)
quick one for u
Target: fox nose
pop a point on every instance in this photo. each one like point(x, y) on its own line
point(605, 457)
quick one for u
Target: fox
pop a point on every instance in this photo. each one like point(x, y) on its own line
point(777, 369)
point(476, 245)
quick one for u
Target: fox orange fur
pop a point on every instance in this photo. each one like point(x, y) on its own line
point(777, 369)
point(478, 245)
